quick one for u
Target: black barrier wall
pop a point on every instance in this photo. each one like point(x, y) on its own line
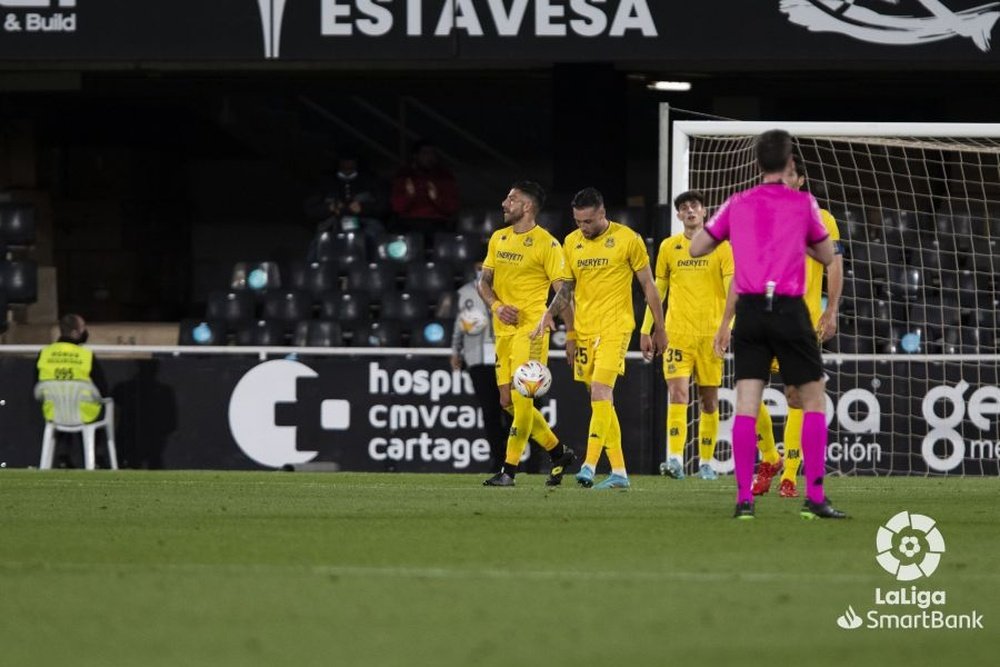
point(820, 33)
point(415, 414)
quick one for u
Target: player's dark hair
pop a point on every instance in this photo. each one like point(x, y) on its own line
point(689, 195)
point(534, 191)
point(800, 166)
point(774, 147)
point(588, 198)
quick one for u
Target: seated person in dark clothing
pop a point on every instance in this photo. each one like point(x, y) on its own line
point(351, 201)
point(424, 193)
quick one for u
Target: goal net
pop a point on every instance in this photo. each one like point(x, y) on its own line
point(913, 367)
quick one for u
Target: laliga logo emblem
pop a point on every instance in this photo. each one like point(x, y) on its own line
point(909, 546)
point(846, 18)
point(271, 13)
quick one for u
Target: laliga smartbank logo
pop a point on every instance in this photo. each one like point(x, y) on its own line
point(39, 15)
point(909, 547)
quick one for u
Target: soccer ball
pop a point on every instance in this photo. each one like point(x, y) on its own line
point(472, 321)
point(532, 379)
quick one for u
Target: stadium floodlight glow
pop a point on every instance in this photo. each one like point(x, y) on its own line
point(670, 86)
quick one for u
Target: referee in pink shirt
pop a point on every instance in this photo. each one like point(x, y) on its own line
point(772, 229)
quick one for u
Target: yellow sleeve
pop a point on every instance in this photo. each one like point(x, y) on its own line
point(728, 266)
point(638, 258)
point(555, 262)
point(491, 254)
point(647, 319)
point(830, 223)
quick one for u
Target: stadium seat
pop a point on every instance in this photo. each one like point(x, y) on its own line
point(383, 333)
point(233, 308)
point(17, 224)
point(400, 248)
point(432, 333)
point(374, 279)
point(19, 280)
point(317, 333)
point(633, 217)
point(262, 333)
point(957, 226)
point(431, 277)
point(348, 308)
point(201, 332)
point(407, 307)
point(314, 278)
point(459, 248)
point(286, 307)
point(256, 276)
point(904, 283)
point(348, 244)
point(66, 397)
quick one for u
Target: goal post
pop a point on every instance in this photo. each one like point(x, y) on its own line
point(913, 369)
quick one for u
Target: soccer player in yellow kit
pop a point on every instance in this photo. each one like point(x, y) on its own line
point(696, 292)
point(825, 323)
point(522, 261)
point(602, 257)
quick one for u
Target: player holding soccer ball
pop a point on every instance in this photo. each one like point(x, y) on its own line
point(603, 256)
point(522, 262)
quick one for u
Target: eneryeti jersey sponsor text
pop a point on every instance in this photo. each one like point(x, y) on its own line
point(603, 268)
point(696, 286)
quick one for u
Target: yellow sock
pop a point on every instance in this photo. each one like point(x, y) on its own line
point(600, 425)
point(765, 436)
point(793, 443)
point(677, 429)
point(708, 431)
point(613, 444)
point(519, 430)
point(540, 431)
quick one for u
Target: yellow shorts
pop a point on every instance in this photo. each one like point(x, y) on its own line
point(601, 358)
point(516, 349)
point(695, 355)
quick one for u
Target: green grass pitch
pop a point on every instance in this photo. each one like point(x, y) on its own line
point(224, 568)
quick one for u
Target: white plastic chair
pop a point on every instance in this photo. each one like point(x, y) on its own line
point(66, 397)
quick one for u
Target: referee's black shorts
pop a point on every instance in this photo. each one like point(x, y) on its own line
point(786, 332)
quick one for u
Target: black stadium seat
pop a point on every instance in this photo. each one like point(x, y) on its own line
point(348, 308)
point(459, 248)
point(264, 333)
point(336, 247)
point(287, 307)
point(19, 280)
point(317, 333)
point(384, 333)
point(232, 308)
point(405, 306)
point(17, 224)
point(431, 277)
point(315, 278)
point(372, 278)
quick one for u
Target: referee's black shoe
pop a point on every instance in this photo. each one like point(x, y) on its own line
point(559, 467)
point(744, 510)
point(500, 479)
point(823, 510)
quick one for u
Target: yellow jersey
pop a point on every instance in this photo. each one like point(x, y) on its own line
point(814, 270)
point(603, 268)
point(695, 288)
point(524, 266)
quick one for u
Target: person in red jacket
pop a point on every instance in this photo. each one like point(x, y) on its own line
point(424, 193)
